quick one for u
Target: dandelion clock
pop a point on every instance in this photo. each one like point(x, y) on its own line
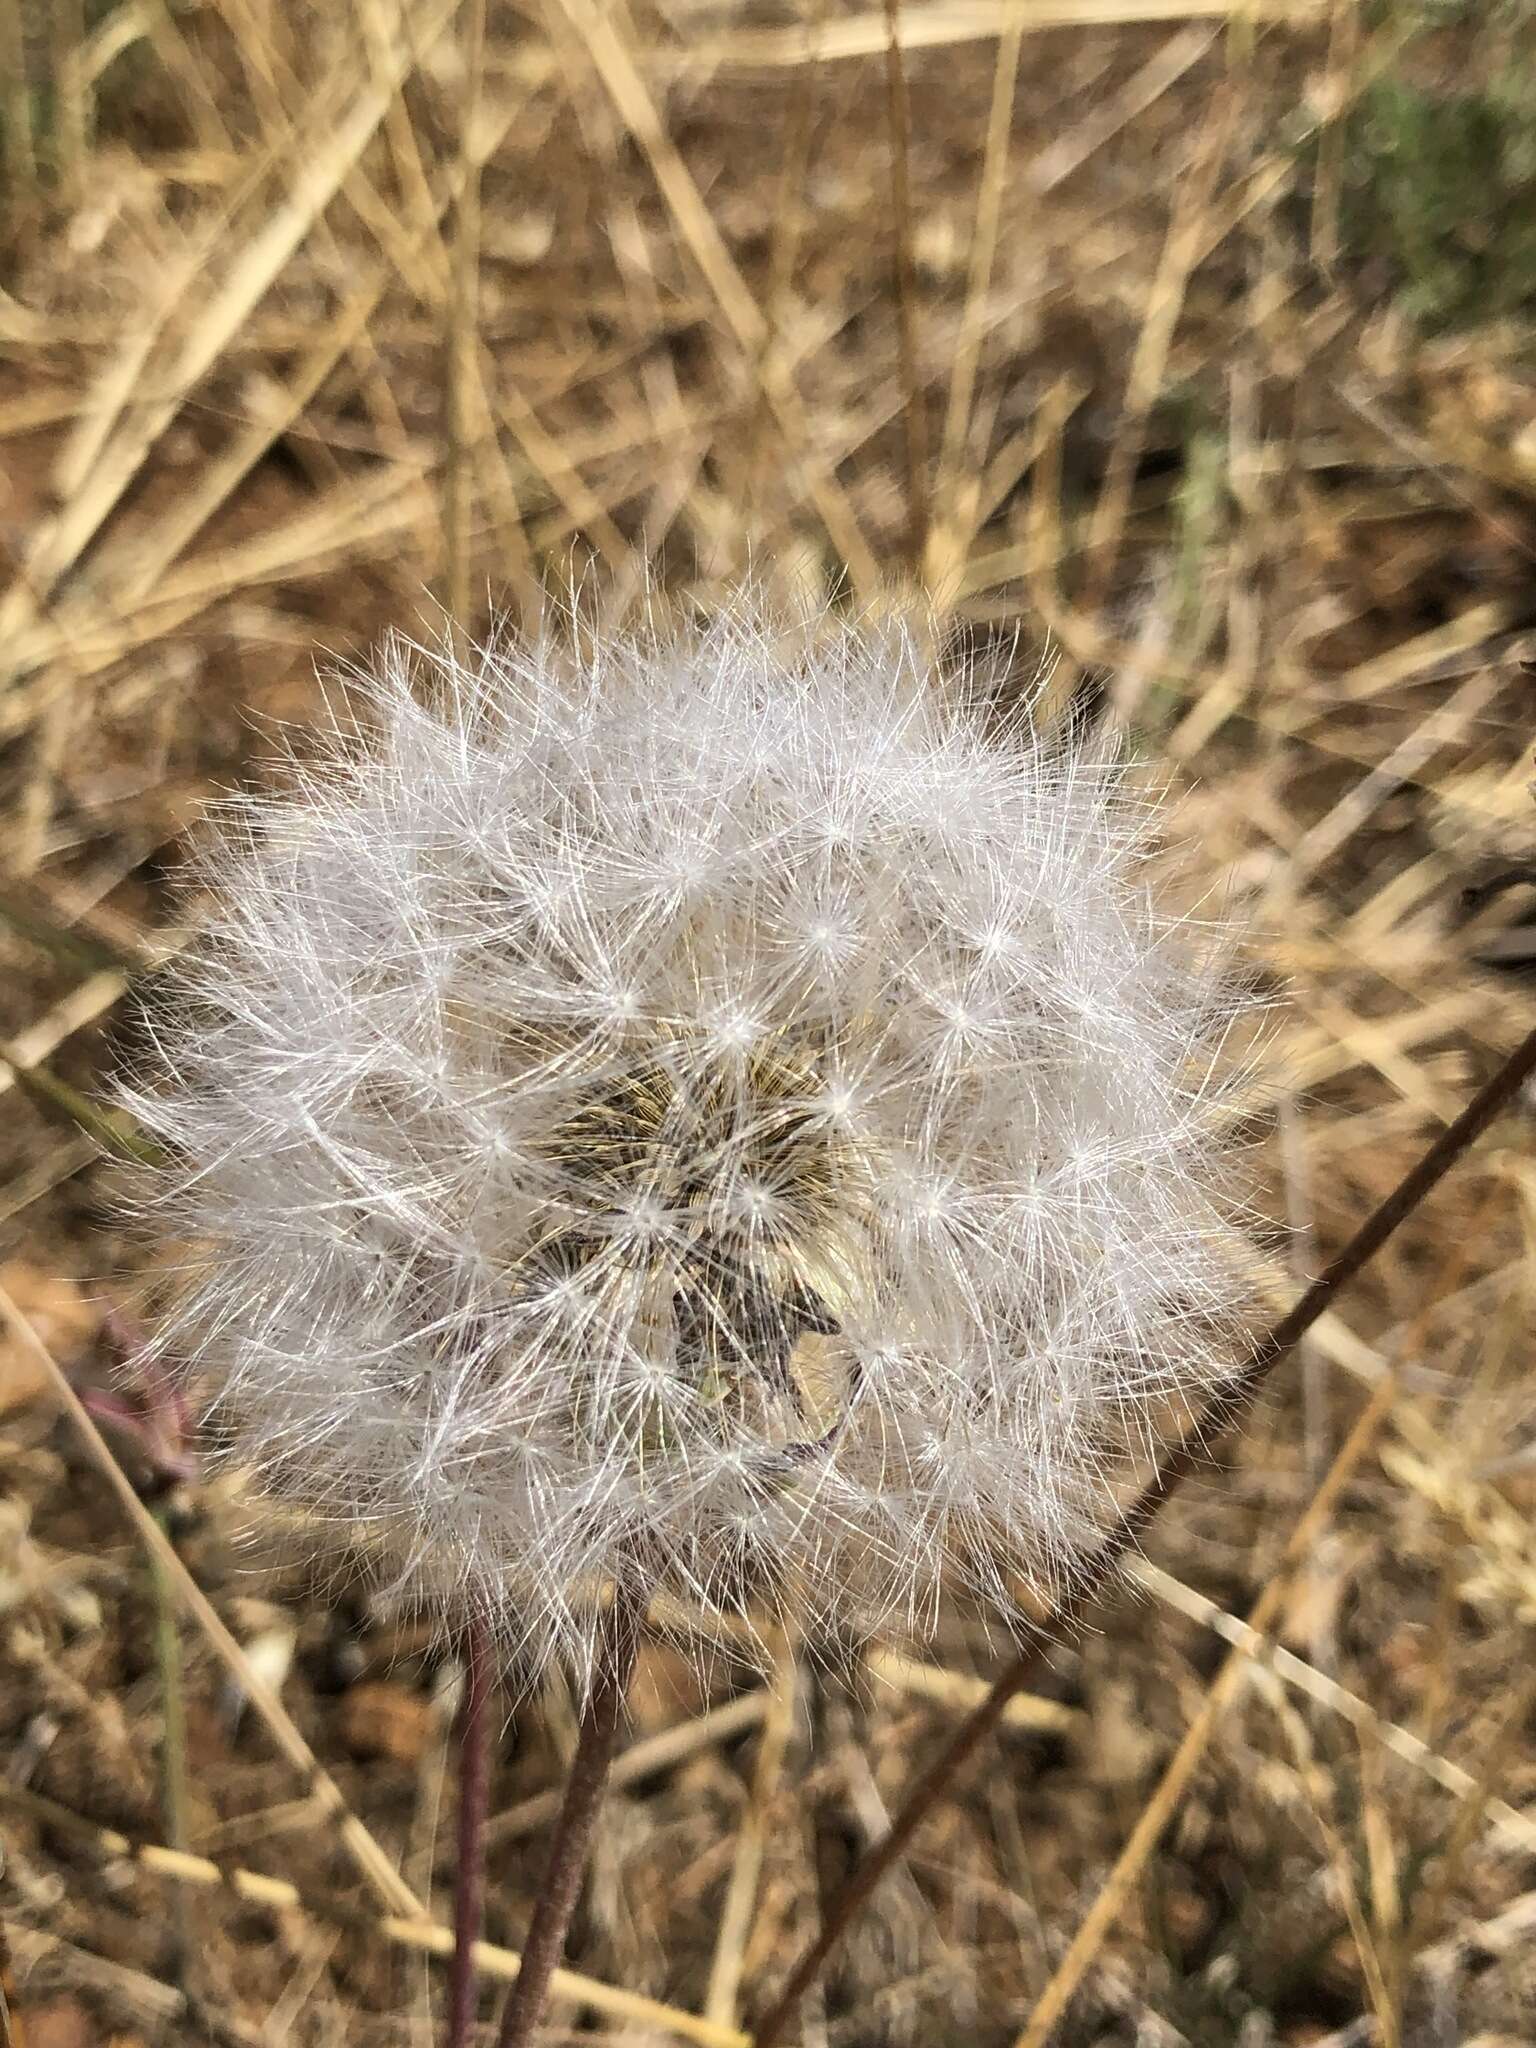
point(714, 1125)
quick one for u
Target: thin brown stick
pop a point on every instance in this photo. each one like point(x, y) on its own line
point(469, 1841)
point(618, 1646)
point(1185, 1458)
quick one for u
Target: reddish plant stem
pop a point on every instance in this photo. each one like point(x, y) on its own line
point(1186, 1457)
point(469, 1872)
point(618, 1646)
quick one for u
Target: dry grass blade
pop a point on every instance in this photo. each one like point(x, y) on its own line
point(416, 1934)
point(1175, 1468)
point(136, 570)
point(104, 479)
point(1477, 1804)
point(913, 416)
point(33, 918)
point(1188, 233)
point(378, 514)
point(943, 23)
point(1342, 1865)
point(135, 1992)
point(461, 381)
point(631, 95)
point(365, 1852)
point(1501, 1536)
point(110, 1129)
point(23, 1061)
point(86, 1002)
point(722, 1997)
point(1517, 1828)
point(954, 528)
point(1107, 118)
point(1159, 1809)
point(60, 1164)
point(148, 558)
point(1027, 1712)
point(641, 1760)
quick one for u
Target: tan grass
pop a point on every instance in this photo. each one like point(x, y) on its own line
point(313, 315)
point(406, 1923)
point(414, 1933)
point(942, 23)
point(1171, 1787)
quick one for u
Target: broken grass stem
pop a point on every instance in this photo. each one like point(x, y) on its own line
point(1192, 1450)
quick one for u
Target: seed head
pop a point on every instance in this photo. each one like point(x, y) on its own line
point(721, 1115)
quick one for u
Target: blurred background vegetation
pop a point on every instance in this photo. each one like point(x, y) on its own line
point(1181, 354)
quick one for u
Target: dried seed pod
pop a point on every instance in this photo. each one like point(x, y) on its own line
point(723, 1114)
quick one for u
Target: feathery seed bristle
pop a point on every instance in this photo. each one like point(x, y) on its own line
point(721, 1118)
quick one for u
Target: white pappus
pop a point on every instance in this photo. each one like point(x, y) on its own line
point(722, 1115)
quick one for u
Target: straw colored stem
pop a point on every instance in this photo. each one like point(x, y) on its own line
point(1191, 1451)
point(618, 1646)
point(722, 1998)
point(640, 1760)
point(914, 424)
point(1173, 1784)
point(463, 351)
point(365, 1852)
point(413, 1935)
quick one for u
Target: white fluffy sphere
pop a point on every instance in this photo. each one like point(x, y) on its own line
point(722, 1115)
